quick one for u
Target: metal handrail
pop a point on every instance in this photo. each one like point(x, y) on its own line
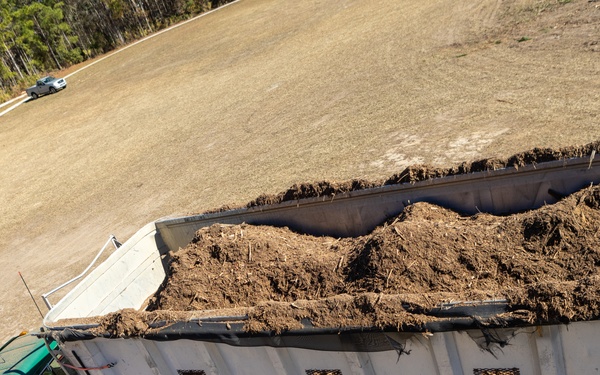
point(112, 239)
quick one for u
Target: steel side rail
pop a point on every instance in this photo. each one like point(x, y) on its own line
point(112, 239)
point(356, 213)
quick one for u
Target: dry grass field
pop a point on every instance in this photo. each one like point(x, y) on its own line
point(265, 93)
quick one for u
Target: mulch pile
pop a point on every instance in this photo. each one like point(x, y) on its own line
point(544, 262)
point(422, 172)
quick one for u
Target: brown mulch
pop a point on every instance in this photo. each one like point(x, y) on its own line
point(544, 262)
point(416, 173)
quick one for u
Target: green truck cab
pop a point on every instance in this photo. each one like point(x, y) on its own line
point(27, 355)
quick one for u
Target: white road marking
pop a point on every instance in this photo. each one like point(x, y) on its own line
point(12, 100)
point(14, 106)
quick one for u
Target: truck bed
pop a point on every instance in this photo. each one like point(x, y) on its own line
point(214, 343)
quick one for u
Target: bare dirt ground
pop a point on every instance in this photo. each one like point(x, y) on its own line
point(265, 94)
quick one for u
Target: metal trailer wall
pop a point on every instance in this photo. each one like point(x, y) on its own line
point(546, 350)
point(358, 212)
point(136, 270)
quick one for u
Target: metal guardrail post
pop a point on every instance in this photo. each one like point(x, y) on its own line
point(112, 239)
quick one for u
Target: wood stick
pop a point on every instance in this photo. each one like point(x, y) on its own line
point(339, 264)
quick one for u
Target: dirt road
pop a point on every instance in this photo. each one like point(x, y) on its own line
point(267, 93)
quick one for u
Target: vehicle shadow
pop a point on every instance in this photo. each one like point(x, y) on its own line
point(30, 99)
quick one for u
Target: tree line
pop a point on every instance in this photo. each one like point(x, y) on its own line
point(38, 36)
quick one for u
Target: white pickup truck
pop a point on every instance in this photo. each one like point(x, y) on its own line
point(46, 85)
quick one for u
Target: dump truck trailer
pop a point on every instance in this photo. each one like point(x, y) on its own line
point(216, 342)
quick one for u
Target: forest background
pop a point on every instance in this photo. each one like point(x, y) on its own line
point(41, 36)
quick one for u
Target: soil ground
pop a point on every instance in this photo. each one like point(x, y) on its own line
point(266, 94)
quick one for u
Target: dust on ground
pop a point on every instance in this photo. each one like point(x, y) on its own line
point(545, 263)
